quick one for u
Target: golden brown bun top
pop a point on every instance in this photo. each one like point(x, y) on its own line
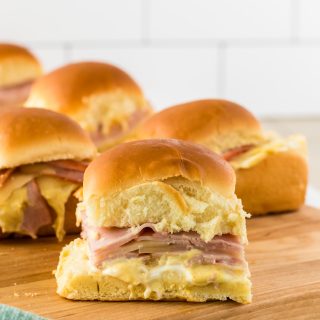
point(220, 122)
point(68, 88)
point(136, 162)
point(17, 65)
point(36, 135)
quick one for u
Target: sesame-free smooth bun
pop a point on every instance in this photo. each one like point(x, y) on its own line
point(264, 162)
point(177, 185)
point(102, 98)
point(142, 161)
point(283, 188)
point(218, 124)
point(17, 65)
point(34, 135)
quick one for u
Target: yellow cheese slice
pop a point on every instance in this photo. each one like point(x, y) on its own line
point(57, 192)
point(16, 181)
point(296, 143)
point(11, 210)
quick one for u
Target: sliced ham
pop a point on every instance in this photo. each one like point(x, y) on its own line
point(66, 174)
point(70, 164)
point(235, 152)
point(110, 243)
point(15, 94)
point(4, 175)
point(37, 212)
point(70, 170)
point(105, 241)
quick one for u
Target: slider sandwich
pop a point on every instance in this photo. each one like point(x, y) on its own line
point(160, 221)
point(43, 155)
point(271, 171)
point(102, 98)
point(18, 69)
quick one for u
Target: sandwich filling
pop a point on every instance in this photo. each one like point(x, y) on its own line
point(247, 156)
point(34, 196)
point(111, 243)
point(158, 261)
point(14, 94)
point(106, 134)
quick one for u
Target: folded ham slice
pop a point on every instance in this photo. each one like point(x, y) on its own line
point(4, 175)
point(235, 152)
point(65, 173)
point(37, 212)
point(15, 94)
point(110, 243)
point(70, 164)
point(70, 170)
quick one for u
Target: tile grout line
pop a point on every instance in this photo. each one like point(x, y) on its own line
point(145, 22)
point(221, 69)
point(295, 20)
point(67, 52)
point(180, 43)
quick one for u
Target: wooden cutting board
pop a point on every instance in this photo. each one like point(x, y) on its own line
point(284, 258)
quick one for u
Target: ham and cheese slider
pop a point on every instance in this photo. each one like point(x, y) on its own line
point(43, 155)
point(271, 171)
point(160, 221)
point(102, 98)
point(18, 69)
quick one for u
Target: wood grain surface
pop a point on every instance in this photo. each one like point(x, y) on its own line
point(284, 257)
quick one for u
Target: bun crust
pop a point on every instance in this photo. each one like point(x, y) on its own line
point(137, 162)
point(33, 135)
point(219, 124)
point(278, 183)
point(18, 65)
point(67, 89)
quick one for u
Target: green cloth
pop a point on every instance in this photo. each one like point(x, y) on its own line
point(11, 313)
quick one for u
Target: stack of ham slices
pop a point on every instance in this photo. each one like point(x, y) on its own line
point(145, 241)
point(235, 152)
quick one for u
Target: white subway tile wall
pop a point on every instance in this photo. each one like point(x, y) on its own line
point(279, 80)
point(309, 19)
point(69, 21)
point(167, 75)
point(219, 19)
point(264, 54)
point(51, 58)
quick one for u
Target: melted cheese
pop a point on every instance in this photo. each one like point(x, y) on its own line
point(56, 192)
point(107, 109)
point(13, 199)
point(249, 159)
point(168, 272)
point(16, 181)
point(11, 210)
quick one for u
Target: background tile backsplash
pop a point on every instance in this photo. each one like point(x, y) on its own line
point(264, 54)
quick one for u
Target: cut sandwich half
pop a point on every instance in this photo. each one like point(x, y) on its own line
point(160, 221)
